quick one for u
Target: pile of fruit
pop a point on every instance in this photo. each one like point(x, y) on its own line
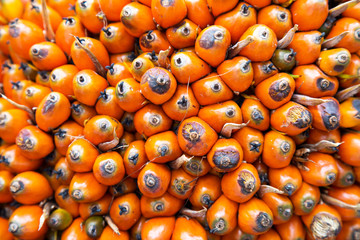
point(180, 119)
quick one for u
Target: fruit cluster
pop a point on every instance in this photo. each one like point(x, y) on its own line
point(180, 119)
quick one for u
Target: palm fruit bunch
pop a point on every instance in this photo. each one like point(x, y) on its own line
point(180, 119)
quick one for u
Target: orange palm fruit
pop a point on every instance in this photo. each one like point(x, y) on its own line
point(24, 223)
point(5, 234)
point(292, 229)
point(237, 73)
point(263, 46)
point(97, 208)
point(158, 228)
point(219, 114)
point(164, 206)
point(252, 143)
point(125, 211)
point(81, 155)
point(168, 14)
point(221, 216)
point(181, 184)
point(154, 179)
point(280, 205)
point(349, 195)
point(276, 90)
point(108, 233)
point(305, 199)
point(64, 200)
point(278, 149)
point(109, 168)
point(5, 180)
point(323, 214)
point(322, 169)
point(304, 17)
point(287, 179)
point(52, 111)
point(241, 185)
point(30, 188)
point(158, 85)
point(206, 191)
point(85, 188)
point(255, 217)
point(212, 44)
point(350, 229)
point(291, 118)
point(211, 89)
point(226, 155)
point(11, 122)
point(193, 133)
point(75, 230)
